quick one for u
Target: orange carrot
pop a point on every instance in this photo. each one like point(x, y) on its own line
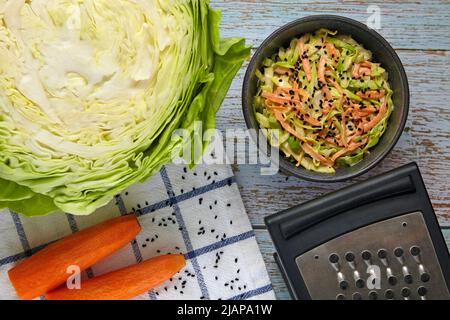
point(355, 72)
point(352, 147)
point(283, 71)
point(372, 94)
point(321, 70)
point(327, 93)
point(331, 51)
point(278, 99)
point(123, 284)
point(305, 61)
point(287, 127)
point(376, 119)
point(47, 269)
point(315, 155)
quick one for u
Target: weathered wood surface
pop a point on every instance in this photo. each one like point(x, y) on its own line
point(407, 24)
point(419, 31)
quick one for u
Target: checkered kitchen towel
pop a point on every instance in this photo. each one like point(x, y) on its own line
point(199, 213)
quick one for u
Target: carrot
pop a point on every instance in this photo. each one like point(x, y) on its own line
point(306, 147)
point(372, 94)
point(366, 64)
point(315, 155)
point(305, 61)
point(355, 72)
point(277, 98)
point(47, 269)
point(287, 127)
point(125, 283)
point(283, 71)
point(352, 147)
point(363, 71)
point(376, 119)
point(312, 121)
point(327, 93)
point(331, 51)
point(297, 90)
point(321, 70)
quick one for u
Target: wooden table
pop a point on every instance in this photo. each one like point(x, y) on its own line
point(419, 30)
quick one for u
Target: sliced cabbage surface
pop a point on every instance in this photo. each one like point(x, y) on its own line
point(92, 90)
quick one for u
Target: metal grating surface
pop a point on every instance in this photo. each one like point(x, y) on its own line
point(392, 277)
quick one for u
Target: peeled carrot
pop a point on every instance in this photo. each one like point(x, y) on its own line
point(48, 269)
point(125, 283)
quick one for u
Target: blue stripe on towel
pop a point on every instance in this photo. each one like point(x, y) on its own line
point(186, 196)
point(220, 244)
point(185, 233)
point(253, 293)
point(21, 233)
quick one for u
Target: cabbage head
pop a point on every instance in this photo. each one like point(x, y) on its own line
point(92, 90)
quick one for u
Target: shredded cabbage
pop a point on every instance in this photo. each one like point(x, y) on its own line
point(328, 96)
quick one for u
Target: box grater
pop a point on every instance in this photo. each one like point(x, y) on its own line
point(376, 240)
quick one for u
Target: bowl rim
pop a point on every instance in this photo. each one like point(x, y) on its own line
point(321, 177)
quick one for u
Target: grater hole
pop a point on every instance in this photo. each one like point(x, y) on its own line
point(398, 252)
point(389, 294)
point(373, 295)
point(316, 257)
point(343, 285)
point(357, 296)
point(404, 224)
point(422, 291)
point(408, 279)
point(425, 277)
point(392, 280)
point(334, 258)
point(366, 255)
point(406, 292)
point(360, 283)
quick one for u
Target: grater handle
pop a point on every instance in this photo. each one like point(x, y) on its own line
point(351, 198)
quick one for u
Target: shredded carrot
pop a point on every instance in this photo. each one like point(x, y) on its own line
point(315, 155)
point(305, 61)
point(337, 86)
point(380, 116)
point(366, 64)
point(321, 69)
point(312, 121)
point(371, 94)
point(278, 99)
point(283, 71)
point(331, 51)
point(327, 93)
point(352, 147)
point(355, 72)
point(302, 92)
point(287, 127)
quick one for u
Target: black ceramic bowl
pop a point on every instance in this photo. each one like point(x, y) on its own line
point(382, 53)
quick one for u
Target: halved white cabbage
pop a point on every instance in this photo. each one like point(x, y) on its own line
point(92, 90)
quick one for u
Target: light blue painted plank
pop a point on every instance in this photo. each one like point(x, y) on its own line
point(408, 24)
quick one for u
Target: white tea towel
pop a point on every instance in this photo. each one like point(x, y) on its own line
point(199, 213)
